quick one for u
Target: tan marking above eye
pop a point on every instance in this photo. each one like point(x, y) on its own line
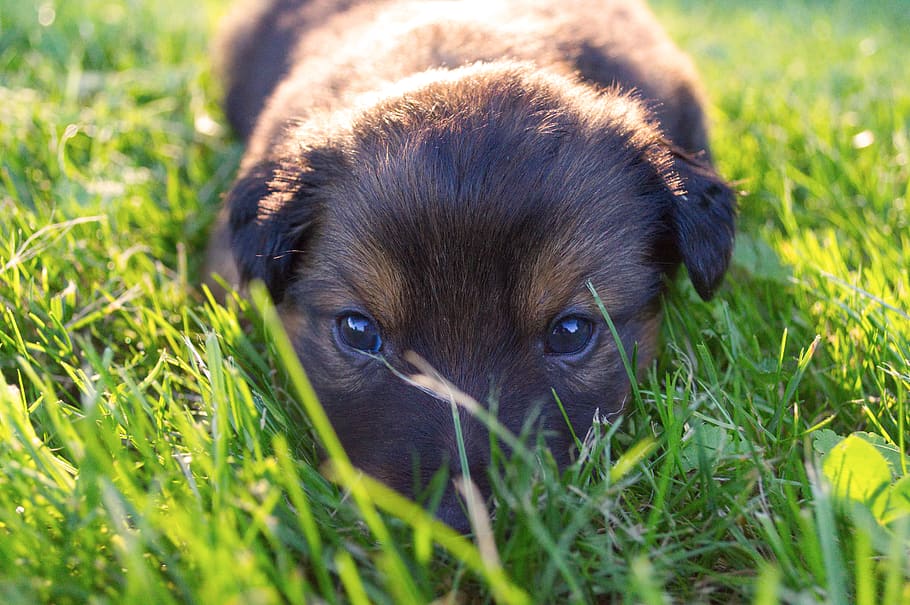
point(557, 280)
point(356, 276)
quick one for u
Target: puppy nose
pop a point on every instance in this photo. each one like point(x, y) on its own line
point(451, 511)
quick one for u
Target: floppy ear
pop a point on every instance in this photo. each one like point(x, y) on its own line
point(701, 217)
point(274, 210)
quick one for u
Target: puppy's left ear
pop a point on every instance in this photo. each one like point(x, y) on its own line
point(701, 215)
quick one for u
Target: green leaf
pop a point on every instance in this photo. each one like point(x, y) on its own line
point(706, 443)
point(889, 451)
point(710, 443)
point(858, 471)
point(898, 501)
point(824, 440)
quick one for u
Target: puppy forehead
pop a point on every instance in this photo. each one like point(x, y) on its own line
point(528, 266)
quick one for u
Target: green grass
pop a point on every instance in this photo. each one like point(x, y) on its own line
point(149, 452)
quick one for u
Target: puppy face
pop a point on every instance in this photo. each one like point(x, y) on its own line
point(461, 220)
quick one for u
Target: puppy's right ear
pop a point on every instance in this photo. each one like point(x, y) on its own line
point(274, 209)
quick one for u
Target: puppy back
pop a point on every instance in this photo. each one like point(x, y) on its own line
point(319, 56)
point(255, 50)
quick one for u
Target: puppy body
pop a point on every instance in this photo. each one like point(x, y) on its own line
point(327, 53)
point(454, 174)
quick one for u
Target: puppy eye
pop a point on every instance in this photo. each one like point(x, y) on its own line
point(568, 335)
point(359, 332)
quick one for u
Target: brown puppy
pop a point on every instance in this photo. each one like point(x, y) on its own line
point(445, 178)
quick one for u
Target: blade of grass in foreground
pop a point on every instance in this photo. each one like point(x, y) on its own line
point(394, 503)
point(828, 540)
point(626, 362)
point(369, 494)
point(399, 579)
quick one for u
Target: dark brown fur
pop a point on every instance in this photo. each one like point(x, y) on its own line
point(458, 172)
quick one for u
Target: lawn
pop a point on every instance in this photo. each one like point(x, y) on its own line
point(157, 447)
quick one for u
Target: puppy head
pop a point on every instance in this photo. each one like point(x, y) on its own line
point(461, 219)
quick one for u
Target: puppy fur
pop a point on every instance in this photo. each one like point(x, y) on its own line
point(458, 171)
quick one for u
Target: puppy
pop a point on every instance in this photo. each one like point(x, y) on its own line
point(446, 178)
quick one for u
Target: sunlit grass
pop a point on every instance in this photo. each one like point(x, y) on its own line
point(151, 448)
